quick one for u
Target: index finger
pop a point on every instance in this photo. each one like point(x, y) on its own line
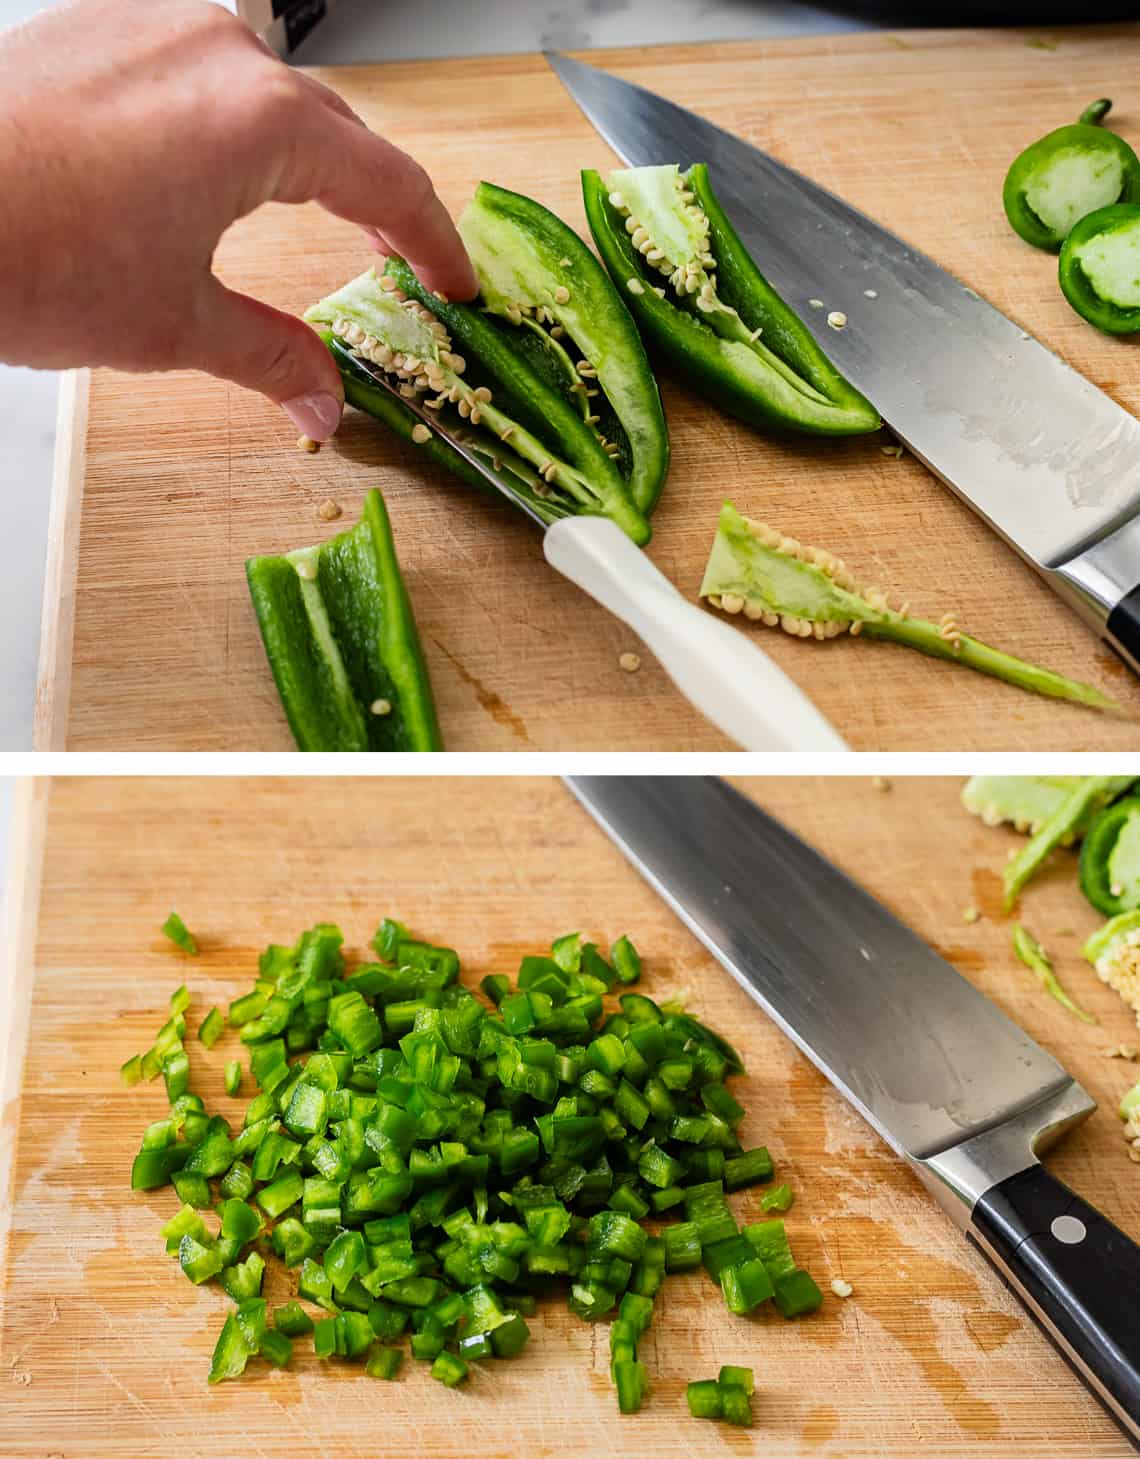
point(366, 180)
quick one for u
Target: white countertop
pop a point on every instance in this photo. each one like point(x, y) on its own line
point(358, 30)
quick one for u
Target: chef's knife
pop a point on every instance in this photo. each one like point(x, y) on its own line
point(1047, 459)
point(723, 674)
point(960, 1092)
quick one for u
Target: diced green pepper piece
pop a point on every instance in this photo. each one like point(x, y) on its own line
point(276, 1348)
point(631, 1380)
point(746, 1285)
point(199, 1262)
point(175, 929)
point(779, 1198)
point(292, 1320)
point(384, 1363)
point(750, 1168)
point(704, 1398)
point(738, 1378)
point(231, 1352)
point(275, 1199)
point(626, 960)
point(449, 1369)
point(211, 1028)
point(796, 1293)
point(736, 1405)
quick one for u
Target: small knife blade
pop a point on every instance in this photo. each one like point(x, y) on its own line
point(432, 420)
point(952, 1084)
point(1042, 455)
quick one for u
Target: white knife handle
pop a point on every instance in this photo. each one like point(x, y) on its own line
point(717, 668)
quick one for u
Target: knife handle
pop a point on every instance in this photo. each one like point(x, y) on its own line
point(717, 668)
point(1123, 627)
point(1078, 1274)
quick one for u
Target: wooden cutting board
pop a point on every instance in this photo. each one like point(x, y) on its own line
point(167, 484)
point(104, 1345)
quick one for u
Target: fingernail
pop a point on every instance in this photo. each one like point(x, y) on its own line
point(315, 415)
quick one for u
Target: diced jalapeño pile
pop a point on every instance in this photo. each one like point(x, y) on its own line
point(433, 1163)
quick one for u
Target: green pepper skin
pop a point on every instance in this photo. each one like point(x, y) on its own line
point(526, 396)
point(514, 240)
point(341, 641)
point(1080, 289)
point(1081, 139)
point(1100, 844)
point(738, 379)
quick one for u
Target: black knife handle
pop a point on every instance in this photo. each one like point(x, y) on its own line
point(1078, 1274)
point(1124, 626)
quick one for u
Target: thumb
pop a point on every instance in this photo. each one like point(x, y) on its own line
point(252, 344)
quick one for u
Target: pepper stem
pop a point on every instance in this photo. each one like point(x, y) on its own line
point(927, 638)
point(1096, 111)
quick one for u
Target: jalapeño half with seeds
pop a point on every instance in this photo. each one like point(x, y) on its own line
point(553, 383)
point(704, 306)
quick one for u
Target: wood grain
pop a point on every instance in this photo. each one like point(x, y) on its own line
point(187, 477)
point(105, 1346)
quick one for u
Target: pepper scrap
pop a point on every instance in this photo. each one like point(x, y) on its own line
point(1090, 794)
point(1034, 956)
point(1072, 172)
point(1024, 802)
point(808, 593)
point(720, 324)
point(1114, 951)
point(1110, 858)
point(341, 640)
point(1099, 269)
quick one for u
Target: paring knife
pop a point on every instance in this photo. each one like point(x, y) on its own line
point(1047, 459)
point(955, 1088)
point(722, 673)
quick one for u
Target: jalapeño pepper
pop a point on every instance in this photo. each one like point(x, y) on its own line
point(552, 383)
point(1099, 268)
point(342, 642)
point(1068, 174)
point(704, 306)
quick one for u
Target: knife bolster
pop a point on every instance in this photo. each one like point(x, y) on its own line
point(1101, 582)
point(960, 1176)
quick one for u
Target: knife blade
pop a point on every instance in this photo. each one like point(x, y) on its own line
point(952, 1084)
point(1050, 462)
point(724, 675)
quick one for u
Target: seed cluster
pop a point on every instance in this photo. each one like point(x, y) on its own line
point(1119, 967)
point(691, 276)
point(440, 372)
point(834, 568)
point(542, 315)
point(435, 372)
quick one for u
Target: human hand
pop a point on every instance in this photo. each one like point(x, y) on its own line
point(131, 136)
